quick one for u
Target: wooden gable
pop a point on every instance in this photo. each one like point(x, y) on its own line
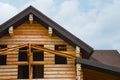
point(46, 22)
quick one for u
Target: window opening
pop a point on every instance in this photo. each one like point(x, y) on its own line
point(23, 72)
point(60, 47)
point(38, 56)
point(23, 54)
point(38, 71)
point(3, 57)
point(60, 60)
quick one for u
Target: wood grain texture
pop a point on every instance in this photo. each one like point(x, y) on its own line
point(37, 35)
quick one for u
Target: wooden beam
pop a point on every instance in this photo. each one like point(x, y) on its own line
point(79, 75)
point(78, 53)
point(50, 31)
point(77, 49)
point(5, 50)
point(29, 61)
point(17, 63)
point(41, 62)
point(31, 18)
point(54, 52)
point(11, 31)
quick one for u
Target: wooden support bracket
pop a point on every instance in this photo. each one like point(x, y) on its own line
point(50, 31)
point(11, 31)
point(31, 18)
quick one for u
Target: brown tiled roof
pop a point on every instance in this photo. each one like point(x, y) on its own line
point(108, 57)
point(93, 65)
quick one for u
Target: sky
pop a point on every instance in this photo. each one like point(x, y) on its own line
point(96, 22)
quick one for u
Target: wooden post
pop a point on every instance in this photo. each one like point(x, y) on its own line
point(29, 61)
point(79, 75)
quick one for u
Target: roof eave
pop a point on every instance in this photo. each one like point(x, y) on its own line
point(67, 36)
point(98, 66)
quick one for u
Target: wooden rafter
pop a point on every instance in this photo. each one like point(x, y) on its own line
point(5, 50)
point(54, 52)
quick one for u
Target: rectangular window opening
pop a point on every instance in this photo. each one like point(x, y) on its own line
point(23, 72)
point(23, 48)
point(38, 56)
point(3, 46)
point(60, 60)
point(2, 59)
point(38, 71)
point(23, 54)
point(60, 47)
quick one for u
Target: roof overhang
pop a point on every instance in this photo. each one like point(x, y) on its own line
point(44, 20)
point(99, 66)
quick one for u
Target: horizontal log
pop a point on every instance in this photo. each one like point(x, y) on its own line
point(8, 78)
point(12, 56)
point(59, 76)
point(59, 66)
point(8, 67)
point(17, 63)
point(32, 63)
point(32, 42)
point(41, 63)
point(8, 70)
point(57, 79)
point(60, 73)
point(8, 74)
point(59, 69)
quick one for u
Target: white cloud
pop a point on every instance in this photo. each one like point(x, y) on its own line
point(6, 11)
point(108, 33)
point(45, 6)
point(99, 26)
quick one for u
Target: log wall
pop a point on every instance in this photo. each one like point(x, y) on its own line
point(37, 34)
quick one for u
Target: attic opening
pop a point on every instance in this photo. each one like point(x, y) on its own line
point(38, 55)
point(60, 59)
point(38, 71)
point(23, 72)
point(3, 57)
point(23, 54)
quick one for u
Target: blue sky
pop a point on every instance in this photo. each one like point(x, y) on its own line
point(96, 22)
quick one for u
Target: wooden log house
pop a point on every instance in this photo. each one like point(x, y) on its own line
point(33, 47)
